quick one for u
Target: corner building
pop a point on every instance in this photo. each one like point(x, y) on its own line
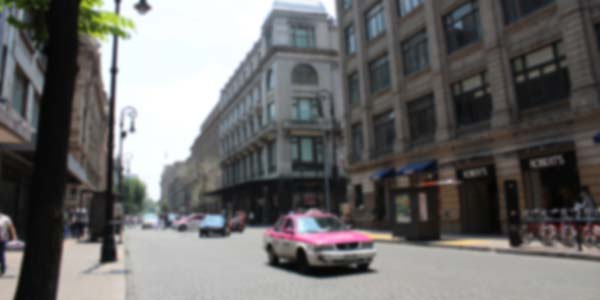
point(461, 99)
point(276, 117)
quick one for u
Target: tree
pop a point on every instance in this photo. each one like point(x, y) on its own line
point(134, 195)
point(55, 24)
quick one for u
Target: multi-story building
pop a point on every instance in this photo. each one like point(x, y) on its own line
point(174, 189)
point(89, 127)
point(464, 100)
point(206, 171)
point(22, 67)
point(276, 118)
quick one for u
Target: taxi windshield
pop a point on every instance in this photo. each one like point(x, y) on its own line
point(319, 224)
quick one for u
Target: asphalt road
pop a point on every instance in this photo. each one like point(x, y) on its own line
point(171, 265)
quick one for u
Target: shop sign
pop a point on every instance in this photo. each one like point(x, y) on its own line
point(403, 210)
point(475, 173)
point(546, 162)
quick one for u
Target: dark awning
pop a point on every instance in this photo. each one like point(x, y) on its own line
point(417, 167)
point(383, 173)
point(597, 138)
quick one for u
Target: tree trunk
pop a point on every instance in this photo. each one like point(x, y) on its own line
point(41, 265)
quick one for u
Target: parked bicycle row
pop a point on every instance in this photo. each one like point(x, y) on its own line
point(568, 227)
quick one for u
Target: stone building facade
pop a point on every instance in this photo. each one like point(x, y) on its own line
point(22, 68)
point(276, 121)
point(461, 100)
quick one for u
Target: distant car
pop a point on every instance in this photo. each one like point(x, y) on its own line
point(213, 224)
point(317, 240)
point(150, 221)
point(187, 222)
point(237, 224)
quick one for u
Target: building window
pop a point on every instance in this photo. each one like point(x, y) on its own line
point(415, 53)
point(541, 77)
point(303, 36)
point(354, 88)
point(462, 26)
point(269, 80)
point(379, 74)
point(517, 9)
point(357, 142)
point(375, 21)
point(358, 196)
point(271, 112)
point(346, 4)
point(384, 131)
point(269, 37)
point(307, 153)
point(472, 101)
point(421, 118)
point(305, 74)
point(406, 6)
point(20, 87)
point(350, 39)
point(272, 156)
point(305, 109)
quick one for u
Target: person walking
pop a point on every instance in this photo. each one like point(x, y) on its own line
point(7, 232)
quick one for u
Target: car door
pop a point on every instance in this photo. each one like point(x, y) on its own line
point(287, 243)
point(275, 236)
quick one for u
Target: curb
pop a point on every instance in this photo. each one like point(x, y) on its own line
point(510, 251)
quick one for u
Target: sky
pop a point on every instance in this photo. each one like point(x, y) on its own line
point(172, 70)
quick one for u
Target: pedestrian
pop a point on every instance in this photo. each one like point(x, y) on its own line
point(7, 233)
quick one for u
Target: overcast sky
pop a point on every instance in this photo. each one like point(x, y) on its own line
point(172, 71)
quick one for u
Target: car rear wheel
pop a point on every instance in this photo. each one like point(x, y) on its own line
point(182, 228)
point(302, 262)
point(273, 259)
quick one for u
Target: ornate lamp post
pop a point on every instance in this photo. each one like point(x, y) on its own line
point(131, 113)
point(109, 251)
point(329, 168)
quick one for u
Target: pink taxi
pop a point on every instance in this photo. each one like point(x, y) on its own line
point(317, 240)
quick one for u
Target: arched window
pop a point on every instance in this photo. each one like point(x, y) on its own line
point(269, 80)
point(305, 74)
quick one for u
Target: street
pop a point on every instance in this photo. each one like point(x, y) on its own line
point(171, 265)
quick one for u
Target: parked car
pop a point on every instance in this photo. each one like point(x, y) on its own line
point(150, 221)
point(237, 224)
point(317, 239)
point(213, 224)
point(187, 222)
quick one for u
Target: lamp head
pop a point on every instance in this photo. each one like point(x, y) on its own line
point(143, 7)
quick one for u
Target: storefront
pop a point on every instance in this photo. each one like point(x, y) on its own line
point(551, 179)
point(479, 208)
point(414, 202)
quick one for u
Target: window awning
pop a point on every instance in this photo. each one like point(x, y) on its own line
point(383, 173)
point(597, 138)
point(417, 167)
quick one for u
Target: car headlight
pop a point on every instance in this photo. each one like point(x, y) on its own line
point(366, 245)
point(321, 248)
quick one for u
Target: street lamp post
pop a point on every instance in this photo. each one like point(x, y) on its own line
point(131, 112)
point(328, 167)
point(109, 252)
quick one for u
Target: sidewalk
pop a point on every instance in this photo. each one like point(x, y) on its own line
point(492, 244)
point(81, 277)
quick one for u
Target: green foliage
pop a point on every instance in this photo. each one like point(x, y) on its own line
point(134, 195)
point(93, 21)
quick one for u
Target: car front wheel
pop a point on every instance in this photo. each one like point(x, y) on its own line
point(363, 267)
point(302, 263)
